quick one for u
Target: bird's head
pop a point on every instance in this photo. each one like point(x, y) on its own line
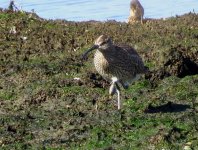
point(102, 43)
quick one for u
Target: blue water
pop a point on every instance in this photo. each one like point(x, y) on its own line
point(102, 10)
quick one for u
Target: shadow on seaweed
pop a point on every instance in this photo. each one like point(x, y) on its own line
point(167, 108)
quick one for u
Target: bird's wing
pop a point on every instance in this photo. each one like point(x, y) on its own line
point(127, 48)
point(132, 58)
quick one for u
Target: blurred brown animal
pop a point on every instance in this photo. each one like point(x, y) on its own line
point(136, 12)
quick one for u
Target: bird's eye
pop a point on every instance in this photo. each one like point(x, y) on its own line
point(103, 43)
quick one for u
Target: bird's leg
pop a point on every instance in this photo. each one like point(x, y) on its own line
point(118, 92)
point(141, 19)
point(115, 88)
point(112, 89)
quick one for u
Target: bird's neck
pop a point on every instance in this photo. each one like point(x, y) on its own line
point(108, 53)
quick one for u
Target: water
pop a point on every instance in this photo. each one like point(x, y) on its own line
point(102, 10)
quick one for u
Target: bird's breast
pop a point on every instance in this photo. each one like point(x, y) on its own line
point(101, 64)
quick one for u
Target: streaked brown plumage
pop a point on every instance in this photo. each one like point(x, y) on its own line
point(119, 64)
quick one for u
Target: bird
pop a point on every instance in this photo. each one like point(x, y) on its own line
point(136, 12)
point(119, 64)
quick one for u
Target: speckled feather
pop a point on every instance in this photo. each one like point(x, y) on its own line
point(121, 61)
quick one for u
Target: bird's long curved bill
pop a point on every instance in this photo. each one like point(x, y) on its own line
point(84, 56)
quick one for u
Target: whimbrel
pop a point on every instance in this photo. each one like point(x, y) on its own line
point(136, 12)
point(119, 64)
